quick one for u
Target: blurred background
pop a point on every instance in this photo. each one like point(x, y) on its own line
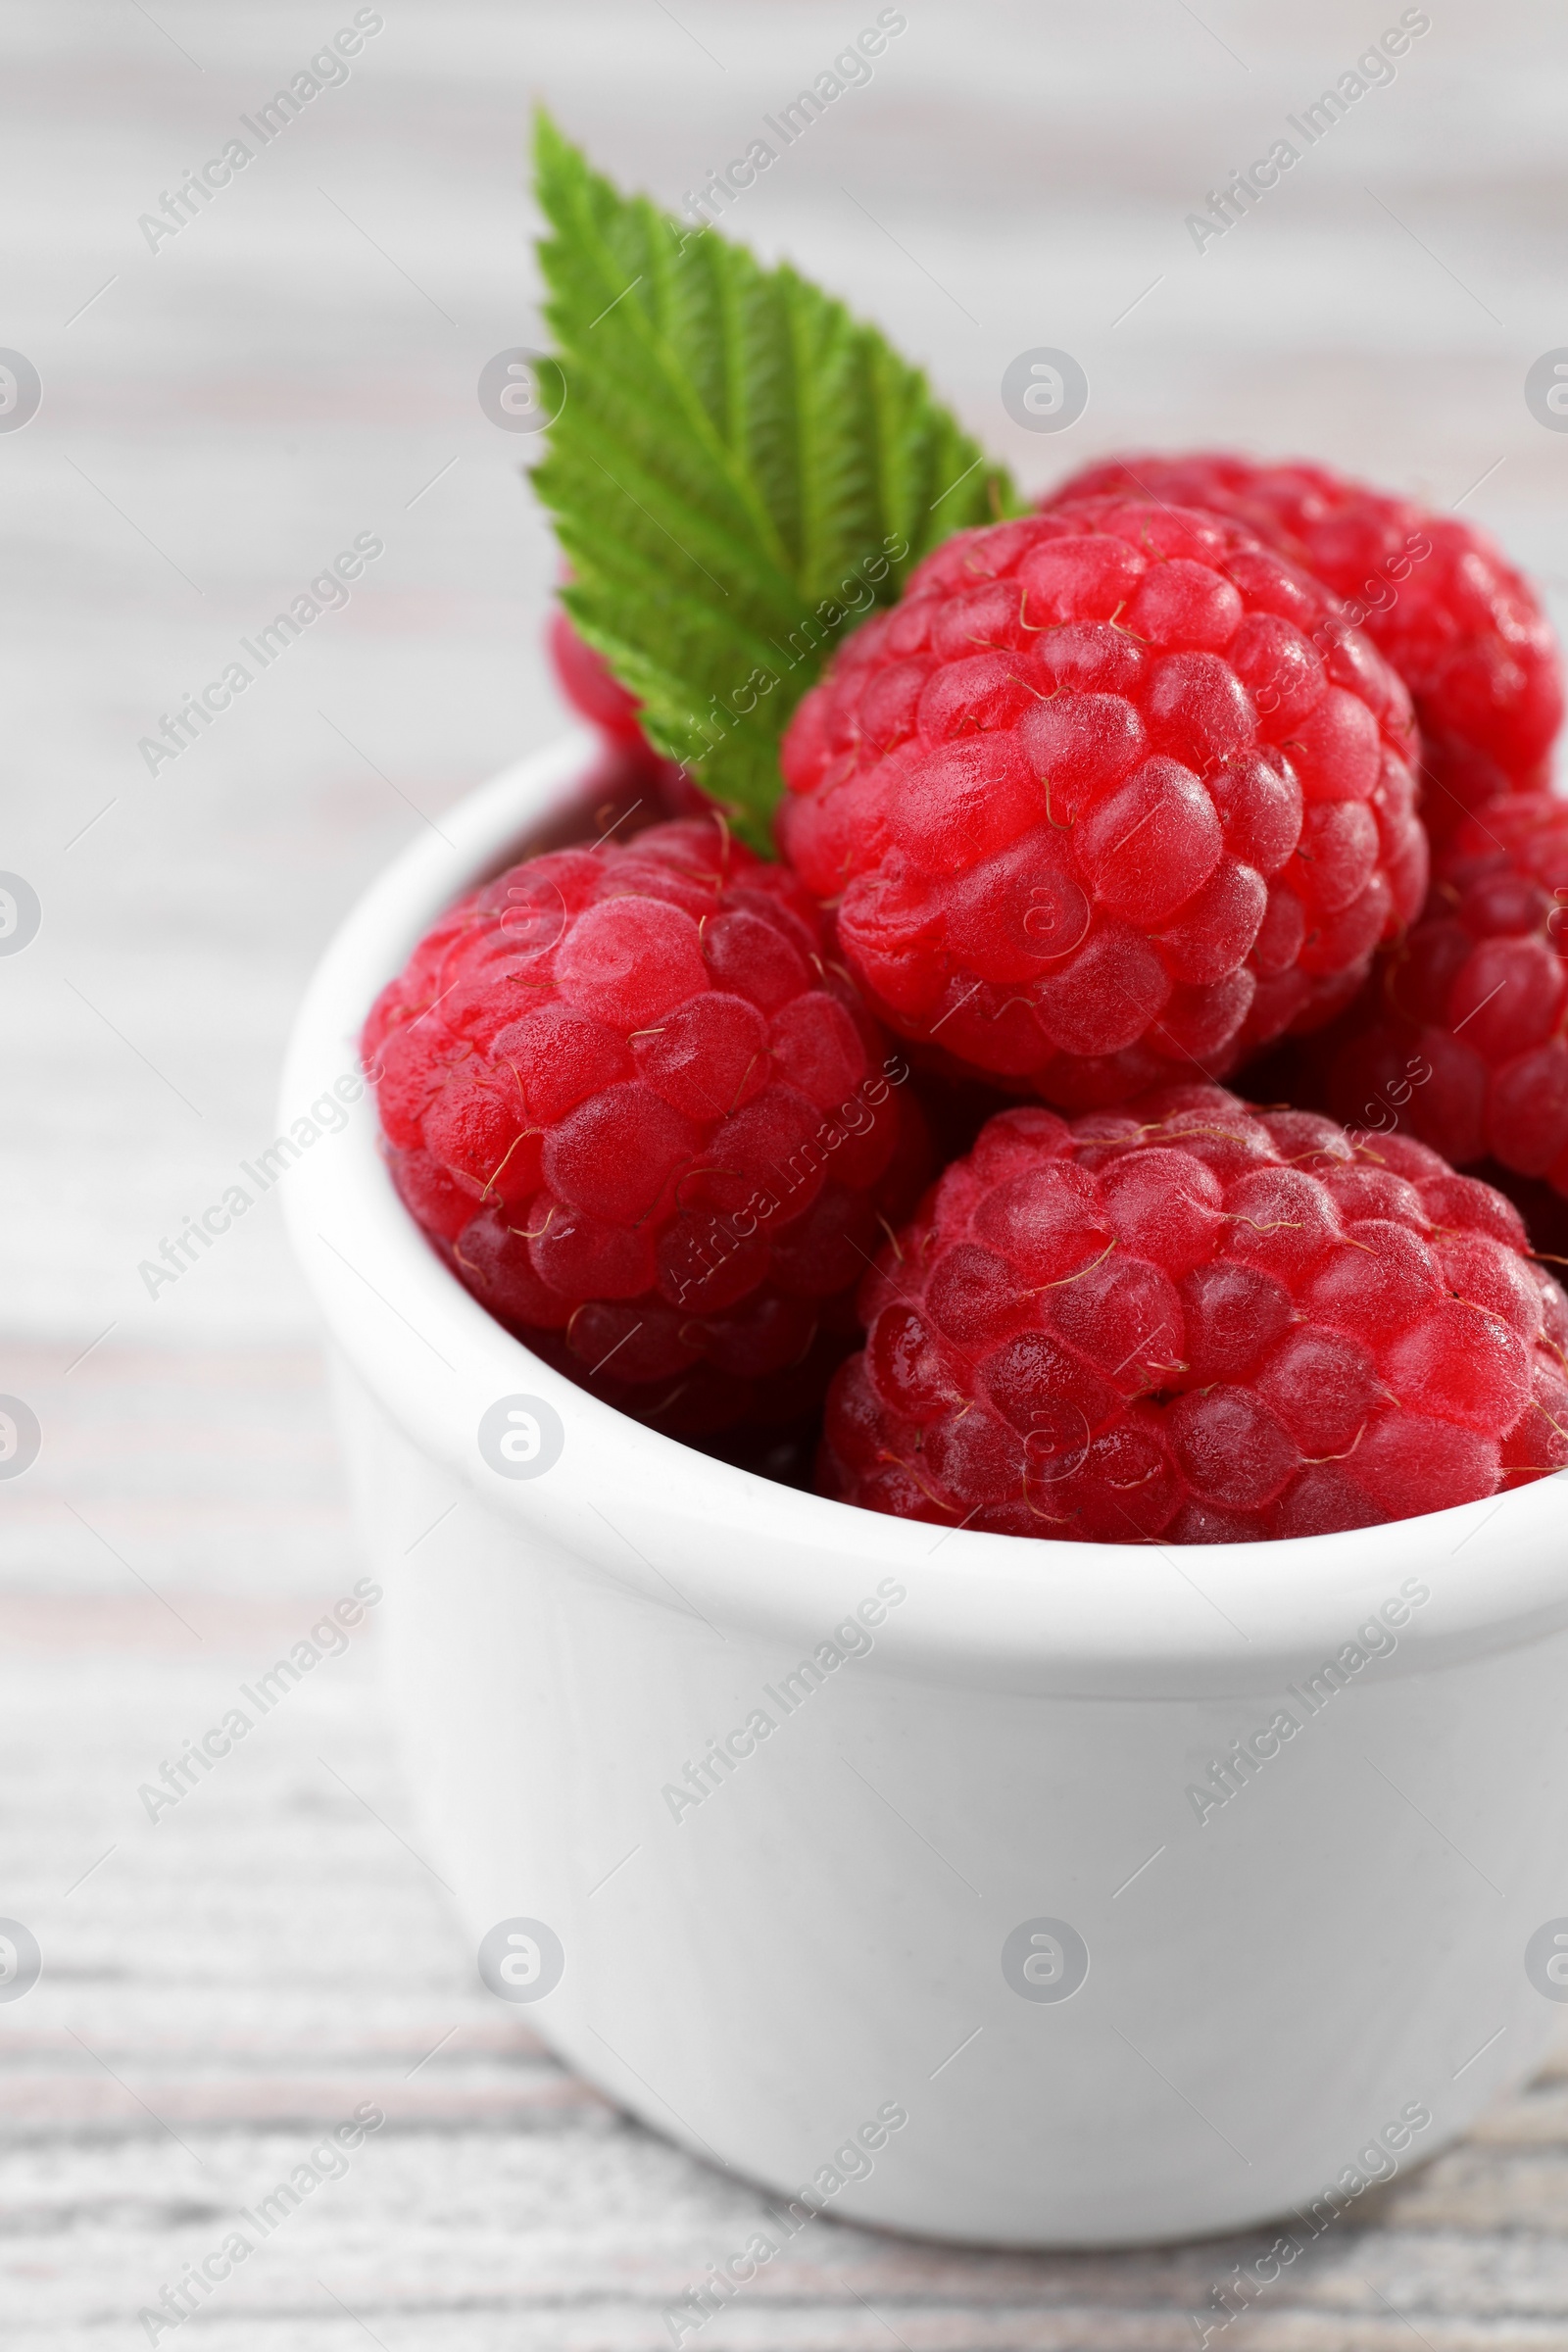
point(226, 406)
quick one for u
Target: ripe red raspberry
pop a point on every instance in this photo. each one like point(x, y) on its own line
point(590, 685)
point(1440, 601)
point(1097, 810)
point(1466, 1041)
point(644, 1123)
point(596, 694)
point(1194, 1322)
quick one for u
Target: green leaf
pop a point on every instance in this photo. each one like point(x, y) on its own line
point(740, 471)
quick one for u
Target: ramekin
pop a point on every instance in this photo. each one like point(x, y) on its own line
point(978, 1872)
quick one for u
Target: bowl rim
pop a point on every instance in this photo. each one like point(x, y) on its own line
point(1085, 1620)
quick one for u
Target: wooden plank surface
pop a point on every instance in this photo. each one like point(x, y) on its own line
point(226, 1985)
point(220, 416)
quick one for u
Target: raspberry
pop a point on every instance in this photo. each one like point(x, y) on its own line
point(590, 685)
point(1441, 602)
point(1190, 1321)
point(1466, 1043)
point(1097, 810)
point(644, 1123)
point(596, 694)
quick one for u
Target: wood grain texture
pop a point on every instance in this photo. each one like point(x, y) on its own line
point(220, 416)
point(226, 1985)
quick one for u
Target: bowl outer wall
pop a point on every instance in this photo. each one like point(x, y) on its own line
point(1079, 1619)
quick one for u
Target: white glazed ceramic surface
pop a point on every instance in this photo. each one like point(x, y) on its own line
point(818, 1940)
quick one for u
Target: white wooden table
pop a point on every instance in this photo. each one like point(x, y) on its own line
point(220, 416)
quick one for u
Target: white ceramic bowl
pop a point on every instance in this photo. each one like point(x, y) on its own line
point(1278, 1985)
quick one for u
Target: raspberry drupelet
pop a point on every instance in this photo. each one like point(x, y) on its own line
point(1109, 798)
point(1190, 1321)
point(1465, 1037)
point(649, 1127)
point(1465, 631)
